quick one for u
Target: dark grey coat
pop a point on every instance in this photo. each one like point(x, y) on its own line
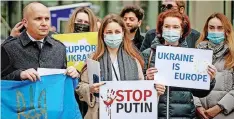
point(21, 53)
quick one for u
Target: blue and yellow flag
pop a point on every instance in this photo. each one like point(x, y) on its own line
point(51, 98)
point(78, 47)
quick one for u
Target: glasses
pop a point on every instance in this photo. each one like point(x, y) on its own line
point(166, 7)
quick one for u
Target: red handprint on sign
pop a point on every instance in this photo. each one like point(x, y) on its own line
point(110, 97)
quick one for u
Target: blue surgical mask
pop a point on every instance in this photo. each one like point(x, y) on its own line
point(216, 37)
point(171, 36)
point(113, 40)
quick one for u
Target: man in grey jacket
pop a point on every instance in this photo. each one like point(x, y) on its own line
point(33, 49)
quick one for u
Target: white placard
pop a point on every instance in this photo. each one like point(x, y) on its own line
point(183, 67)
point(50, 71)
point(93, 68)
point(128, 100)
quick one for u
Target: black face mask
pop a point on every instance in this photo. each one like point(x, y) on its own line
point(79, 28)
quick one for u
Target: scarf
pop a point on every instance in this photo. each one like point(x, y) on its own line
point(127, 66)
point(219, 50)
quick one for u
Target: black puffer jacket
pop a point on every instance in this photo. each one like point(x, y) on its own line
point(179, 102)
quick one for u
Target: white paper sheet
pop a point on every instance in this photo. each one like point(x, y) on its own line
point(93, 67)
point(50, 71)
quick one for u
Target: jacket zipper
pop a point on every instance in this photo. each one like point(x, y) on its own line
point(167, 102)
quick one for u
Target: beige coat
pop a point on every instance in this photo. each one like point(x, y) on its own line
point(84, 94)
point(222, 94)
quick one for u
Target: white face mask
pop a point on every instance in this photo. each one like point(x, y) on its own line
point(171, 36)
point(113, 40)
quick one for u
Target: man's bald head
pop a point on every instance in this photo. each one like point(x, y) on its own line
point(36, 20)
point(31, 7)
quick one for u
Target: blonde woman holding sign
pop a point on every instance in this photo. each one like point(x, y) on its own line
point(82, 20)
point(119, 61)
point(218, 35)
point(172, 30)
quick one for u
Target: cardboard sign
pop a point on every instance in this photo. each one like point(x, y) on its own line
point(78, 47)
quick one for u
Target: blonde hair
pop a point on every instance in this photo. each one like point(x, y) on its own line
point(92, 20)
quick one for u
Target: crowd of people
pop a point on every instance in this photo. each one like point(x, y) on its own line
point(125, 54)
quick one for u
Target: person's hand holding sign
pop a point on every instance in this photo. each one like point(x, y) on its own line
point(29, 74)
point(160, 89)
point(94, 88)
point(150, 76)
point(211, 71)
point(150, 73)
point(72, 72)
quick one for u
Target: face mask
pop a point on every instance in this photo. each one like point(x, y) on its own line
point(78, 28)
point(216, 37)
point(171, 36)
point(113, 40)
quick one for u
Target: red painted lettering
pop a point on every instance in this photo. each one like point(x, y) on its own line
point(147, 93)
point(119, 95)
point(134, 95)
point(128, 94)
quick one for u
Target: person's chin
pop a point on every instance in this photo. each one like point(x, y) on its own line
point(44, 33)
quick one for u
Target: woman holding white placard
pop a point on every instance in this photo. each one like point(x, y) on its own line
point(218, 35)
point(172, 30)
point(119, 61)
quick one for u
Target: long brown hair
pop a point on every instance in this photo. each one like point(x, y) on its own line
point(229, 37)
point(92, 20)
point(127, 44)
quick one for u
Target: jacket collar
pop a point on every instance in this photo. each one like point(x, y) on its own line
point(138, 35)
point(25, 40)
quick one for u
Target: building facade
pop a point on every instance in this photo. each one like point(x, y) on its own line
point(198, 11)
